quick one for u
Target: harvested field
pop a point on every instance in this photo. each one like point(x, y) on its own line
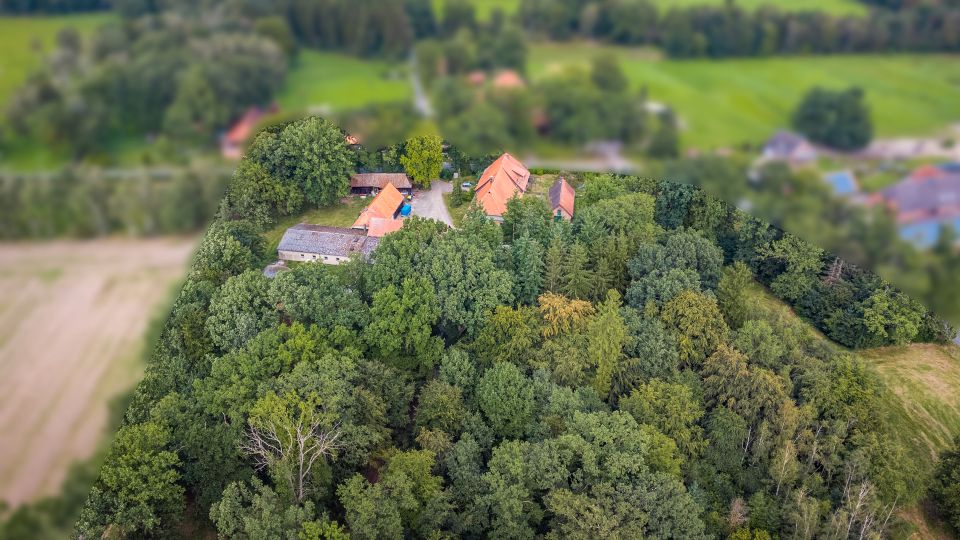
point(72, 320)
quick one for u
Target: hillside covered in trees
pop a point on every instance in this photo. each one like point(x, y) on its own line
point(620, 376)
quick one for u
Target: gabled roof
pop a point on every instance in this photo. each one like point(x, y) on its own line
point(336, 241)
point(562, 196)
point(384, 205)
point(380, 227)
point(241, 130)
point(785, 143)
point(380, 180)
point(508, 78)
point(503, 179)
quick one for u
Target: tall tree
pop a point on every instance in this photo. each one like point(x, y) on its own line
point(423, 159)
point(528, 267)
point(606, 336)
point(839, 119)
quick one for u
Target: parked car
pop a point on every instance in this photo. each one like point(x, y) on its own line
point(466, 185)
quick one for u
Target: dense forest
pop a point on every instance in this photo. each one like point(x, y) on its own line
point(623, 375)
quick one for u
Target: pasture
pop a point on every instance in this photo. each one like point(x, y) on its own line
point(324, 82)
point(834, 7)
point(729, 102)
point(24, 41)
point(73, 315)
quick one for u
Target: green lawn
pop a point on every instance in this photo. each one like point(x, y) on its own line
point(340, 215)
point(324, 80)
point(20, 35)
point(456, 212)
point(728, 102)
point(836, 7)
point(484, 7)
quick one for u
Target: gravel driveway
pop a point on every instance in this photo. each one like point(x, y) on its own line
point(429, 204)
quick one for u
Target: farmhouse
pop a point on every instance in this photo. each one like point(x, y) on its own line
point(790, 147)
point(372, 183)
point(329, 245)
point(562, 197)
point(385, 205)
point(925, 201)
point(503, 179)
point(231, 144)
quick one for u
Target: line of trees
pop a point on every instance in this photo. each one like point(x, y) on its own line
point(88, 202)
point(23, 7)
point(614, 374)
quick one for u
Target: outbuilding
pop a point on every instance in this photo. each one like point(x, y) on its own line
point(327, 245)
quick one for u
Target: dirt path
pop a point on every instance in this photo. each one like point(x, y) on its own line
point(429, 204)
point(72, 320)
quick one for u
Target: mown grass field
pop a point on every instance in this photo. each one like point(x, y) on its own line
point(73, 315)
point(19, 37)
point(726, 103)
point(321, 81)
point(836, 7)
point(925, 379)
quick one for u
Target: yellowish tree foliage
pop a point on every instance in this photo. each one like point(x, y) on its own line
point(562, 315)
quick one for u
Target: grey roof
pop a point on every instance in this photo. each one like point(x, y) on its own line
point(936, 195)
point(336, 241)
point(379, 180)
point(784, 143)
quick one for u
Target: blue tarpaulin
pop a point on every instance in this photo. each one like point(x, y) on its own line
point(405, 211)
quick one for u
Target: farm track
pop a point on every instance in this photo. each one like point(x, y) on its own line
point(72, 320)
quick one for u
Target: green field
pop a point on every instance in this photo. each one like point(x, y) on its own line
point(18, 37)
point(323, 80)
point(836, 7)
point(484, 7)
point(728, 102)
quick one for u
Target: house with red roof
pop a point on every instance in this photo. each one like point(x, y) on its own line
point(236, 137)
point(504, 178)
point(386, 205)
point(562, 197)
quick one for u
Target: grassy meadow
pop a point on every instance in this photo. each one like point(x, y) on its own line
point(835, 7)
point(729, 102)
point(484, 7)
point(323, 80)
point(19, 41)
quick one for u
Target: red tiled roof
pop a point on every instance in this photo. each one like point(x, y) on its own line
point(384, 205)
point(562, 196)
point(240, 131)
point(380, 227)
point(508, 78)
point(503, 179)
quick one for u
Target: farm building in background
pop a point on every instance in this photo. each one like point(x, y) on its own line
point(924, 202)
point(790, 147)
